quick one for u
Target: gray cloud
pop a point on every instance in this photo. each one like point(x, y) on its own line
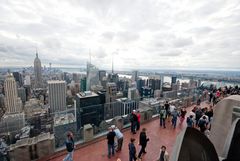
point(164, 34)
point(182, 42)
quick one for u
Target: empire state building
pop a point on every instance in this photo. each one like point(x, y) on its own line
point(38, 72)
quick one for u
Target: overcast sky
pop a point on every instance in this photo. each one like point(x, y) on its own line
point(142, 34)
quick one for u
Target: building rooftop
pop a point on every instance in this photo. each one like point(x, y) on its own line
point(55, 81)
point(63, 119)
point(87, 94)
point(157, 135)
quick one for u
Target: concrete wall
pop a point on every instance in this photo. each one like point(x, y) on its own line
point(32, 148)
point(222, 121)
point(60, 133)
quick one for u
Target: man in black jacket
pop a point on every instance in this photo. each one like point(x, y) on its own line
point(133, 120)
point(143, 142)
point(110, 137)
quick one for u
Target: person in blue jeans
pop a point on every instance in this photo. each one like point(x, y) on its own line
point(175, 114)
point(110, 137)
point(132, 150)
point(163, 115)
point(70, 147)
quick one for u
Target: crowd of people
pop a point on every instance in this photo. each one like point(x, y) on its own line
point(115, 139)
point(199, 117)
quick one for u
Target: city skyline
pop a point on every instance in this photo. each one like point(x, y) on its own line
point(140, 34)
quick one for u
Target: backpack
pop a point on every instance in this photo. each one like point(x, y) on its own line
point(188, 120)
point(69, 146)
point(201, 123)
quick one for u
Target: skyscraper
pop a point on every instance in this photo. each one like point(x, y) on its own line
point(92, 76)
point(18, 78)
point(38, 72)
point(83, 84)
point(132, 93)
point(135, 75)
point(89, 109)
point(57, 95)
point(111, 96)
point(12, 102)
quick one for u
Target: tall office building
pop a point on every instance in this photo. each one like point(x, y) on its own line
point(140, 84)
point(27, 80)
point(132, 93)
point(102, 74)
point(174, 79)
point(89, 109)
point(57, 95)
point(18, 78)
point(76, 77)
point(22, 94)
point(135, 75)
point(13, 103)
point(92, 76)
point(154, 84)
point(111, 96)
point(113, 77)
point(83, 84)
point(38, 72)
point(1, 102)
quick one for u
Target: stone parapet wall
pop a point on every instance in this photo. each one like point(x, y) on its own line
point(32, 148)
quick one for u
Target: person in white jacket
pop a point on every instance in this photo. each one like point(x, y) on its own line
point(163, 156)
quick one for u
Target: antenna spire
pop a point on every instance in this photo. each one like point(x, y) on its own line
point(112, 62)
point(90, 56)
point(36, 52)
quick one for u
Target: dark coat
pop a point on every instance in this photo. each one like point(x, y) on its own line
point(143, 139)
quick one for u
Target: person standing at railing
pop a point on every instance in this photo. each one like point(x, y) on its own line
point(110, 141)
point(133, 120)
point(119, 137)
point(167, 108)
point(139, 119)
point(69, 146)
point(162, 116)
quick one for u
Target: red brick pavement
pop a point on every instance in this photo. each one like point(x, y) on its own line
point(158, 137)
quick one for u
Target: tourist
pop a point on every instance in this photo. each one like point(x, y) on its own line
point(163, 155)
point(194, 116)
point(209, 113)
point(202, 123)
point(138, 119)
point(162, 116)
point(198, 115)
point(199, 101)
point(69, 146)
point(110, 137)
point(132, 150)
point(143, 142)
point(171, 109)
point(183, 113)
point(210, 97)
point(133, 120)
point(190, 121)
point(119, 137)
point(175, 114)
point(167, 108)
